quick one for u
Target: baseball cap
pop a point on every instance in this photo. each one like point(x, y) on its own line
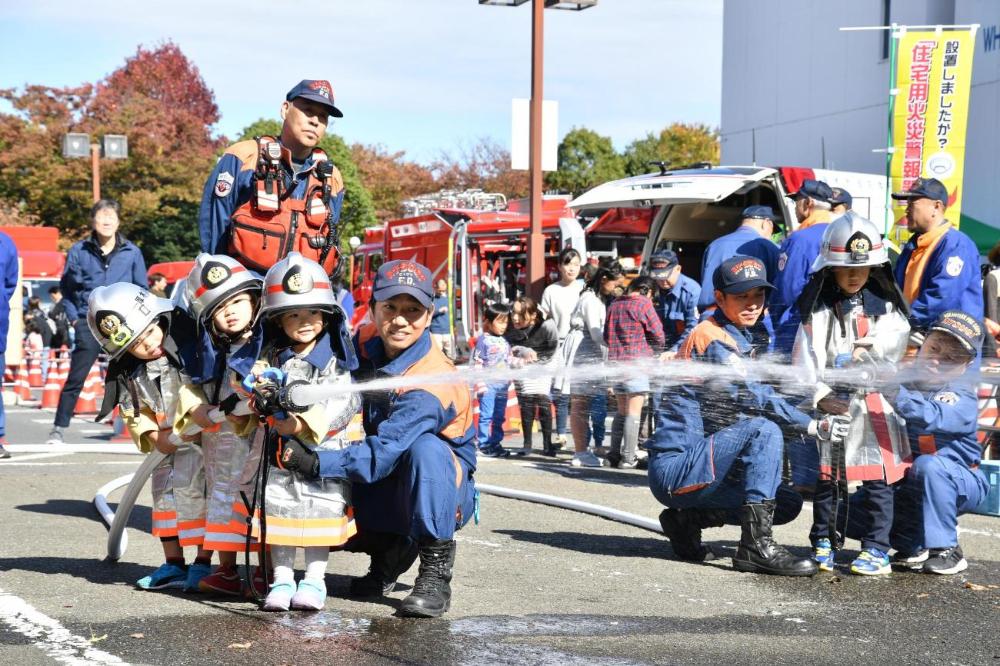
point(962, 326)
point(925, 188)
point(316, 90)
point(403, 277)
point(740, 274)
point(661, 263)
point(814, 189)
point(758, 213)
point(841, 196)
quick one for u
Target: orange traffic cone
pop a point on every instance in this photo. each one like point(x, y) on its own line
point(120, 433)
point(53, 384)
point(87, 402)
point(35, 369)
point(63, 367)
point(23, 389)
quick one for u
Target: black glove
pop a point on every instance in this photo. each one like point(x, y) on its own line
point(292, 455)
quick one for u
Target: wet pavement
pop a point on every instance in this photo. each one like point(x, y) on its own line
point(533, 585)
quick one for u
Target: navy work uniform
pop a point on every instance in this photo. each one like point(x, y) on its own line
point(677, 306)
point(744, 240)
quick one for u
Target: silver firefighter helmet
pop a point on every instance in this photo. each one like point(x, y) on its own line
point(852, 241)
point(297, 282)
point(117, 315)
point(213, 279)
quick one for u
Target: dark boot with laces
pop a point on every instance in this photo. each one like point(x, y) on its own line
point(683, 527)
point(431, 595)
point(758, 552)
point(392, 555)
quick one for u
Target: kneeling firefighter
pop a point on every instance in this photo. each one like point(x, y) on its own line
point(717, 447)
point(412, 476)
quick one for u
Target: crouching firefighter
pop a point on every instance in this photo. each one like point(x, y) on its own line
point(412, 476)
point(717, 450)
point(269, 196)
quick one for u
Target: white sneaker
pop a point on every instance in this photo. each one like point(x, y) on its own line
point(586, 459)
point(55, 437)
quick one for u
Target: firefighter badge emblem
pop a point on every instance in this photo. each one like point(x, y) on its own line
point(214, 274)
point(224, 184)
point(297, 282)
point(954, 266)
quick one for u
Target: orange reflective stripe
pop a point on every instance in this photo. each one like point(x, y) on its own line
point(702, 336)
point(927, 444)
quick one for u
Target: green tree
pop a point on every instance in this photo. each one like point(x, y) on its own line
point(678, 144)
point(586, 159)
point(358, 211)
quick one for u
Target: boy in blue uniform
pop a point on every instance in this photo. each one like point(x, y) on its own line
point(716, 447)
point(941, 410)
point(413, 474)
point(938, 268)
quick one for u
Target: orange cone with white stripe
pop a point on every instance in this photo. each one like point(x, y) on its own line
point(53, 385)
point(23, 388)
point(35, 369)
point(63, 367)
point(87, 402)
point(120, 432)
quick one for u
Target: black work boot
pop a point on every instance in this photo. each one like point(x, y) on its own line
point(431, 595)
point(683, 528)
point(392, 555)
point(759, 553)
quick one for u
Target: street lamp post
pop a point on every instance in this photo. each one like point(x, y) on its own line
point(536, 239)
point(112, 147)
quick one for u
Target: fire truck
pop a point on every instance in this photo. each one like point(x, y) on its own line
point(476, 241)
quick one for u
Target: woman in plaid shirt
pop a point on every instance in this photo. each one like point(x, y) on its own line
point(633, 331)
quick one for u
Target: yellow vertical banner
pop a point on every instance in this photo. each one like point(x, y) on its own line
point(933, 77)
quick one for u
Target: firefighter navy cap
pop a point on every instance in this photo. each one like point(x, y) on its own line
point(814, 189)
point(662, 263)
point(740, 274)
point(962, 326)
point(841, 197)
point(316, 91)
point(403, 277)
point(758, 213)
point(925, 188)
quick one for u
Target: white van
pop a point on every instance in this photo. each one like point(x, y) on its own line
point(693, 206)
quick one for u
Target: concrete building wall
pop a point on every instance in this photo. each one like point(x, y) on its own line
point(798, 91)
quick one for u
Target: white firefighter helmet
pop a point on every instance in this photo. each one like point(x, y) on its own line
point(297, 282)
point(117, 315)
point(851, 241)
point(213, 279)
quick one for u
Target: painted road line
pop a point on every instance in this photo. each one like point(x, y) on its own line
point(105, 463)
point(40, 456)
point(123, 448)
point(49, 636)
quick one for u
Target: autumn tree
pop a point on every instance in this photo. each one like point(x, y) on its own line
point(483, 164)
point(586, 159)
point(358, 211)
point(160, 102)
point(677, 144)
point(390, 178)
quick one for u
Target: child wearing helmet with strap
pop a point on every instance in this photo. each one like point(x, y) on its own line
point(224, 297)
point(143, 336)
point(307, 338)
point(853, 314)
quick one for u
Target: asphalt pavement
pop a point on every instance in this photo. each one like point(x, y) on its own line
point(533, 585)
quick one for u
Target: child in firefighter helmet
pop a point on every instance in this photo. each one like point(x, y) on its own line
point(224, 298)
point(308, 340)
point(143, 337)
point(853, 313)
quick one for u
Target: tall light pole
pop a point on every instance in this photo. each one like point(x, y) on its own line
point(536, 239)
point(112, 147)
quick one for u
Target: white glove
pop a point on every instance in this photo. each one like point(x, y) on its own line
point(832, 428)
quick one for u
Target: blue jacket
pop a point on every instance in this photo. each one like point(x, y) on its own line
point(86, 269)
point(942, 421)
point(230, 185)
point(687, 414)
point(8, 283)
point(951, 279)
point(393, 420)
point(795, 259)
point(678, 310)
point(742, 241)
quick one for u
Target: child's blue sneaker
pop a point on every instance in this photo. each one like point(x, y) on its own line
point(823, 554)
point(166, 576)
point(871, 562)
point(195, 573)
point(279, 596)
point(311, 595)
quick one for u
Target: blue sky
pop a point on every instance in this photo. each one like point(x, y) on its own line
point(416, 75)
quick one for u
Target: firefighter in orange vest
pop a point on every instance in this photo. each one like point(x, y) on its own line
point(268, 196)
